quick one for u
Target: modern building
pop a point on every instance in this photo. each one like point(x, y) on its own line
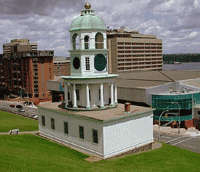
point(62, 66)
point(131, 51)
point(176, 91)
point(25, 70)
point(86, 120)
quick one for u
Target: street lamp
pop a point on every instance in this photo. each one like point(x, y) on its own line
point(179, 116)
point(159, 123)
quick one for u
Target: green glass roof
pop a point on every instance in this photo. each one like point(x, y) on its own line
point(87, 20)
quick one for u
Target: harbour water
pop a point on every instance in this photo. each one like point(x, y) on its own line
point(183, 66)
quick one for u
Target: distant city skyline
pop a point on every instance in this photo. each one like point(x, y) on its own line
point(47, 23)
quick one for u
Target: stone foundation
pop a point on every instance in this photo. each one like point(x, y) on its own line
point(135, 150)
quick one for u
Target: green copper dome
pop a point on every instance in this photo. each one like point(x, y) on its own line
point(87, 20)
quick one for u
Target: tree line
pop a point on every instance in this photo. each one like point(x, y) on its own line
point(182, 58)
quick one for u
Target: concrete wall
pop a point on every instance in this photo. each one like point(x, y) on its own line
point(126, 134)
point(131, 94)
point(73, 124)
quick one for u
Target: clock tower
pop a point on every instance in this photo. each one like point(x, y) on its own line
point(88, 85)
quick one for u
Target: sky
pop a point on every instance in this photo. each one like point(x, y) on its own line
point(46, 22)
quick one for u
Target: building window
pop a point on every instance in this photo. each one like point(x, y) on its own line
point(87, 63)
point(53, 123)
point(43, 120)
point(99, 41)
point(66, 127)
point(89, 95)
point(99, 94)
point(86, 42)
point(77, 94)
point(95, 136)
point(75, 41)
point(81, 132)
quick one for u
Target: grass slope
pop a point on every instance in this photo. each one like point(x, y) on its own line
point(10, 121)
point(32, 153)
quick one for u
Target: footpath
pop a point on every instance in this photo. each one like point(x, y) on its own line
point(22, 132)
point(189, 132)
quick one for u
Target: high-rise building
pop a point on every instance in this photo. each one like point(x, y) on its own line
point(24, 70)
point(62, 66)
point(131, 51)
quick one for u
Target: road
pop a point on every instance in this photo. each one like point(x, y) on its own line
point(5, 106)
point(191, 143)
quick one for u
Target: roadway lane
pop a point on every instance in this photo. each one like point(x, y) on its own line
point(191, 143)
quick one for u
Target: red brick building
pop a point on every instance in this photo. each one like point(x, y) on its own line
point(62, 66)
point(24, 70)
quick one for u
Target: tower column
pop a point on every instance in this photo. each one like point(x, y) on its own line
point(74, 94)
point(111, 94)
point(87, 97)
point(66, 96)
point(102, 102)
point(116, 93)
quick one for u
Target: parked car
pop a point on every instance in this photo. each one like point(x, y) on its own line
point(19, 106)
point(28, 103)
point(33, 116)
point(21, 110)
point(12, 105)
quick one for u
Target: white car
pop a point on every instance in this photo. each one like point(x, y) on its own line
point(21, 110)
point(33, 116)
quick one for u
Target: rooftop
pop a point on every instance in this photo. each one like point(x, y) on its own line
point(101, 115)
point(145, 79)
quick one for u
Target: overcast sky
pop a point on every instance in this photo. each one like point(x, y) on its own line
point(46, 22)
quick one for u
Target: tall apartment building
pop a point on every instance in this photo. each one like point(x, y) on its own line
point(62, 66)
point(131, 51)
point(24, 70)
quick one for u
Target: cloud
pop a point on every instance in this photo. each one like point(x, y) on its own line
point(47, 22)
point(40, 7)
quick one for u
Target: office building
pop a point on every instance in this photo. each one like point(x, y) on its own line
point(131, 51)
point(62, 66)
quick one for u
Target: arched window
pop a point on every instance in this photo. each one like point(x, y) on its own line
point(99, 41)
point(75, 41)
point(86, 42)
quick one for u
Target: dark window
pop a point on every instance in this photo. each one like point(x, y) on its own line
point(66, 127)
point(99, 94)
point(95, 136)
point(77, 94)
point(86, 41)
point(81, 132)
point(52, 123)
point(43, 120)
point(89, 95)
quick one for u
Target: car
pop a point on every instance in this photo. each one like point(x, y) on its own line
point(21, 110)
point(33, 116)
point(19, 106)
point(28, 103)
point(12, 105)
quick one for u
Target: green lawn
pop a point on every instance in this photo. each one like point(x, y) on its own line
point(10, 121)
point(27, 152)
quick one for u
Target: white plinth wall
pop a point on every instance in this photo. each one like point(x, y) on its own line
point(114, 136)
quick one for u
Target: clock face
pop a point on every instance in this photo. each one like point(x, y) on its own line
point(100, 62)
point(76, 63)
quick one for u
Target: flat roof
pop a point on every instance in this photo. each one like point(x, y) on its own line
point(146, 79)
point(101, 115)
